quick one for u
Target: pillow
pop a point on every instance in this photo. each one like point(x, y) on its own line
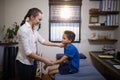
point(58, 56)
point(82, 56)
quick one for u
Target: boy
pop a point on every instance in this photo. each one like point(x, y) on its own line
point(69, 62)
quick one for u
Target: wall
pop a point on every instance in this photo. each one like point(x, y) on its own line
point(1, 25)
point(15, 11)
point(1, 17)
point(117, 36)
point(117, 32)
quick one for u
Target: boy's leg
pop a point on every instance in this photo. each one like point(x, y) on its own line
point(52, 68)
point(52, 71)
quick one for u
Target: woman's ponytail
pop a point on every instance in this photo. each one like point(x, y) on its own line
point(23, 21)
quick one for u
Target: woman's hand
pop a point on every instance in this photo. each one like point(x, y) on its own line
point(46, 65)
point(61, 45)
point(49, 62)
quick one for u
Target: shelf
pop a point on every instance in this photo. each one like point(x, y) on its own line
point(12, 43)
point(105, 19)
point(95, 27)
point(102, 41)
point(103, 12)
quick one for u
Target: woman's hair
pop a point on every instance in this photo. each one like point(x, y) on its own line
point(32, 12)
point(70, 35)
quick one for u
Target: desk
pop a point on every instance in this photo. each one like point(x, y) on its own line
point(105, 66)
point(9, 55)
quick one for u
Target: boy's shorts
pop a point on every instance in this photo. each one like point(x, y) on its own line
point(64, 68)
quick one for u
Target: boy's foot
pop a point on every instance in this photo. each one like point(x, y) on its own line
point(46, 77)
point(51, 76)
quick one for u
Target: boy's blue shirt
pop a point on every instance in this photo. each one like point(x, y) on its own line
point(74, 57)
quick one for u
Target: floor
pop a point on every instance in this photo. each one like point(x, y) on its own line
point(18, 79)
point(0, 75)
point(44, 77)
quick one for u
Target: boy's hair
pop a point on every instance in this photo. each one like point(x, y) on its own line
point(70, 35)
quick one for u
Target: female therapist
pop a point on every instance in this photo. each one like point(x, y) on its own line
point(28, 38)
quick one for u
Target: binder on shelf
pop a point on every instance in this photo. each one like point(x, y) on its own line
point(117, 20)
point(112, 5)
point(109, 5)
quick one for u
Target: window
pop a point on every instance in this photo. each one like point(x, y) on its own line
point(64, 15)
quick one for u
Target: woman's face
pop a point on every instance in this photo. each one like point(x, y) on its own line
point(37, 20)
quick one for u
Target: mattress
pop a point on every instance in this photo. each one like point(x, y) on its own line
point(86, 72)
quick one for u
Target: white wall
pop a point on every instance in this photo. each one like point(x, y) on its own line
point(2, 19)
point(15, 10)
point(117, 35)
point(1, 25)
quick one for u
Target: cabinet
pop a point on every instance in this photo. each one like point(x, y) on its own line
point(104, 18)
point(8, 60)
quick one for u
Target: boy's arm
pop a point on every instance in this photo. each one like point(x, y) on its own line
point(57, 61)
point(61, 60)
